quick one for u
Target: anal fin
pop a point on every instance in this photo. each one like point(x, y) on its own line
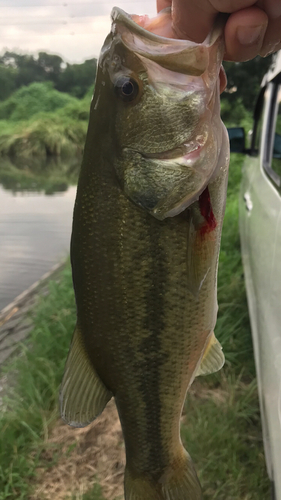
point(213, 358)
point(83, 395)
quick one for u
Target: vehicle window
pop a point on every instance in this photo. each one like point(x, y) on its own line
point(258, 121)
point(276, 153)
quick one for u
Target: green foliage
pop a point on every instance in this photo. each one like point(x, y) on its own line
point(32, 406)
point(223, 435)
point(51, 65)
point(17, 70)
point(26, 69)
point(7, 81)
point(50, 134)
point(40, 121)
point(236, 115)
point(246, 78)
point(233, 328)
point(93, 494)
point(77, 110)
point(36, 98)
point(77, 78)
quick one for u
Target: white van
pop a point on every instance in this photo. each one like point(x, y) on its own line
point(260, 232)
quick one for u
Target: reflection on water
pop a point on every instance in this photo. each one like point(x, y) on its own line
point(34, 235)
point(50, 175)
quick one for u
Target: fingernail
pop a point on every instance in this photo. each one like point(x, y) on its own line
point(249, 35)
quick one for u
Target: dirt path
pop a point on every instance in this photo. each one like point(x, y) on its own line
point(94, 454)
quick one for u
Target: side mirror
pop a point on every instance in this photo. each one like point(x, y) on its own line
point(237, 139)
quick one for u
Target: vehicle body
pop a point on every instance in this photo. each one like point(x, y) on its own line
point(260, 232)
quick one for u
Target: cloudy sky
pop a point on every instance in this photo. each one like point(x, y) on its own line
point(73, 29)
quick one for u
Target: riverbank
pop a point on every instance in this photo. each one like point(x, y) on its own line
point(15, 321)
point(42, 458)
point(37, 121)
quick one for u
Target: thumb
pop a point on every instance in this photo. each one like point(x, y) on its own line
point(193, 19)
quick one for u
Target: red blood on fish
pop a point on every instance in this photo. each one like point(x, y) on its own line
point(207, 212)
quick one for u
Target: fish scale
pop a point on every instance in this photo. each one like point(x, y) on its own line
point(145, 281)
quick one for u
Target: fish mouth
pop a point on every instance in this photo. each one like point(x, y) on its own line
point(186, 153)
point(173, 54)
point(130, 21)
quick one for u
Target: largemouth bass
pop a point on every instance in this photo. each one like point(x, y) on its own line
point(144, 250)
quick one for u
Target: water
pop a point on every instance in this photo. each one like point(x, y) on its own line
point(35, 233)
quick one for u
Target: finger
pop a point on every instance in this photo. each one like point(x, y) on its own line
point(193, 19)
point(271, 7)
point(272, 37)
point(163, 4)
point(244, 34)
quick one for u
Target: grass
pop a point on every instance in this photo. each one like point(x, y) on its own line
point(223, 435)
point(221, 425)
point(233, 325)
point(32, 407)
point(38, 121)
point(93, 494)
point(45, 134)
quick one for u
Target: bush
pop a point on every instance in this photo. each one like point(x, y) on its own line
point(236, 115)
point(47, 135)
point(32, 99)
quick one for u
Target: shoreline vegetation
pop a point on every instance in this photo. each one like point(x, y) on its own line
point(220, 424)
point(44, 103)
point(38, 121)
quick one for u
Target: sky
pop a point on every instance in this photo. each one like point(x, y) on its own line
point(73, 29)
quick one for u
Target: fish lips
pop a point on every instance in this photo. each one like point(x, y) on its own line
point(171, 53)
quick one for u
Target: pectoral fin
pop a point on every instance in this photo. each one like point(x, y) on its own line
point(213, 358)
point(83, 395)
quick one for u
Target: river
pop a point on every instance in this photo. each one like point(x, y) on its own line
point(35, 231)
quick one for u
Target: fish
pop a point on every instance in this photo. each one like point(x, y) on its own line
point(145, 243)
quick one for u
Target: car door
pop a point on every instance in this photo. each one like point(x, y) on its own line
point(260, 230)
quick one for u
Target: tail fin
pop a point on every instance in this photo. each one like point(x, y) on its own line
point(179, 483)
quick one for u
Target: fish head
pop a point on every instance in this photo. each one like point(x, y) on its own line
point(162, 95)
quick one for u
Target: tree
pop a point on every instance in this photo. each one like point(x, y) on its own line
point(244, 80)
point(8, 77)
point(77, 78)
point(17, 70)
point(51, 65)
point(28, 69)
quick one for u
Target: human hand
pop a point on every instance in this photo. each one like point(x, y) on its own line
point(253, 27)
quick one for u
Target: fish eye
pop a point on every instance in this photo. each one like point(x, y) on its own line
point(126, 88)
